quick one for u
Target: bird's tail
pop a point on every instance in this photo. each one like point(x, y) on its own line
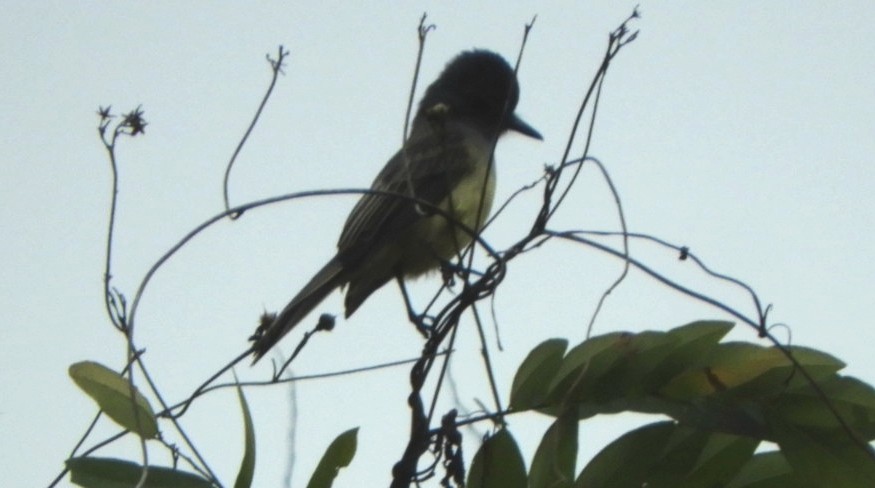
point(326, 280)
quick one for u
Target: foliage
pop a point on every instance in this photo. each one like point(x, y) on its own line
point(338, 455)
point(116, 397)
point(724, 399)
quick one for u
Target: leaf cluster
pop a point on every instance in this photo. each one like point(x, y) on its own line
point(724, 399)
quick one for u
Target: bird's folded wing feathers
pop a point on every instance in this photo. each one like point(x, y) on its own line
point(433, 169)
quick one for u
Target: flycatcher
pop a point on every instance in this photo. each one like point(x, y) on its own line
point(446, 162)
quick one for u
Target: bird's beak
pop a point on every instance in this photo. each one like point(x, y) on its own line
point(522, 127)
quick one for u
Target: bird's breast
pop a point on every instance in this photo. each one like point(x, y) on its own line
point(439, 236)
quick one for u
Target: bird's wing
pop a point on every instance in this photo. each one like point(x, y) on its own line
point(433, 162)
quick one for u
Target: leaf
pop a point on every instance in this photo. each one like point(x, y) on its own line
point(744, 370)
point(247, 464)
point(846, 390)
point(583, 364)
point(825, 458)
point(112, 392)
point(667, 455)
point(498, 464)
point(817, 363)
point(614, 372)
point(731, 365)
point(621, 382)
point(784, 376)
point(850, 397)
point(767, 470)
point(621, 371)
point(721, 459)
point(338, 455)
point(627, 461)
point(677, 459)
point(642, 354)
point(553, 464)
point(693, 343)
point(533, 377)
point(116, 473)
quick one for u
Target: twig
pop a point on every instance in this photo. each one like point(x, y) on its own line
point(276, 66)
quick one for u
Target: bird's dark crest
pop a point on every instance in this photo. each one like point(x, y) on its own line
point(479, 85)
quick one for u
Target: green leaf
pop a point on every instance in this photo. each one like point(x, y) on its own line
point(850, 397)
point(112, 392)
point(498, 464)
point(620, 371)
point(584, 364)
point(784, 376)
point(247, 464)
point(855, 402)
point(846, 390)
point(627, 461)
point(693, 343)
point(116, 473)
point(338, 455)
point(620, 381)
point(721, 459)
point(817, 363)
point(825, 458)
point(606, 374)
point(767, 470)
point(744, 370)
point(641, 355)
point(731, 364)
point(553, 464)
point(533, 378)
point(677, 458)
point(667, 455)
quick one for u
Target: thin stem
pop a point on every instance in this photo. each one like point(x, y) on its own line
point(277, 68)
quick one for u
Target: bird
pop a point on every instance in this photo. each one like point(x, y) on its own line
point(446, 163)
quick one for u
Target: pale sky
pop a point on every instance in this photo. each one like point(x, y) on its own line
point(744, 131)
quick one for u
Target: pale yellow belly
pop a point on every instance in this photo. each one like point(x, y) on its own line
point(436, 238)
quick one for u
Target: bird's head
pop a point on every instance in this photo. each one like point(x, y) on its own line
point(478, 86)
